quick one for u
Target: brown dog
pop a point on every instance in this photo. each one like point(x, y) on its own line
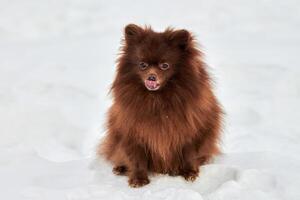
point(165, 117)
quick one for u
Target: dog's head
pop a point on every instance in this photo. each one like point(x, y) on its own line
point(155, 57)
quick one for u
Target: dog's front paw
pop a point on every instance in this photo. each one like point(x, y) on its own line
point(138, 182)
point(190, 175)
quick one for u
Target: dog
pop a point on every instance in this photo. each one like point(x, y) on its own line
point(165, 117)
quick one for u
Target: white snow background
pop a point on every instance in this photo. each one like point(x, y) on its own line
point(57, 61)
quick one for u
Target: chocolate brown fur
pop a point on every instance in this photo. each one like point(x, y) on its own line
point(171, 131)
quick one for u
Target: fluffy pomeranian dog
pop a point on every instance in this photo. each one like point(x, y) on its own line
point(164, 117)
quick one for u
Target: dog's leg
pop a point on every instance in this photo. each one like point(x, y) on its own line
point(137, 164)
point(190, 168)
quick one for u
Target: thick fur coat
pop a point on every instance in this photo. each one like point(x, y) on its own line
point(164, 117)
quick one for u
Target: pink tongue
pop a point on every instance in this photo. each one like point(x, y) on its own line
point(151, 84)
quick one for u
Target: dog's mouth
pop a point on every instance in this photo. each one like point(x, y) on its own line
point(152, 85)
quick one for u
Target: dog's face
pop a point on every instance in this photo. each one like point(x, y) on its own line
point(155, 57)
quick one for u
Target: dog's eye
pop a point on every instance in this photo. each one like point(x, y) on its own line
point(164, 66)
point(143, 65)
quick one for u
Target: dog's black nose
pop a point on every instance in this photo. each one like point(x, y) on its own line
point(152, 77)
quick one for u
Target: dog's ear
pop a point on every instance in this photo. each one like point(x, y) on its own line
point(133, 33)
point(181, 38)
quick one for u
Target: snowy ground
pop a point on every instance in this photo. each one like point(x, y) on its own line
point(57, 63)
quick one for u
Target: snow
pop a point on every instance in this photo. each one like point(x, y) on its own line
point(57, 61)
